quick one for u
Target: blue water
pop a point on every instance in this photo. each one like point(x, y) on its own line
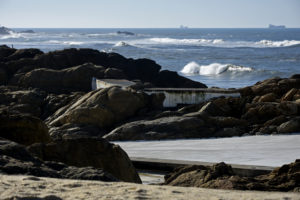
point(217, 57)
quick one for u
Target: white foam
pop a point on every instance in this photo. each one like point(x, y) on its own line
point(211, 69)
point(121, 44)
point(11, 35)
point(72, 43)
point(283, 43)
point(239, 68)
point(186, 41)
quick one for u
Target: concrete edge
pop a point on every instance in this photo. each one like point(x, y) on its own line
point(167, 165)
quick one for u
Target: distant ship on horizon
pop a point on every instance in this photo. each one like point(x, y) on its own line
point(183, 27)
point(276, 27)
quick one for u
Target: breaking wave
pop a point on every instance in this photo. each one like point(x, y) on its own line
point(194, 68)
point(186, 41)
point(283, 43)
point(121, 44)
point(225, 43)
point(11, 35)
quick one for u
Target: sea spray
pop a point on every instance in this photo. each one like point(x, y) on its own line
point(194, 68)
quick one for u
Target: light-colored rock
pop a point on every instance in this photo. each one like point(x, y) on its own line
point(290, 126)
point(17, 187)
point(270, 97)
point(102, 108)
point(161, 128)
point(289, 95)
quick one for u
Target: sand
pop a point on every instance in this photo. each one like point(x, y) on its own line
point(29, 187)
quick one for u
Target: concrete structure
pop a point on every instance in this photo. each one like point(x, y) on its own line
point(177, 96)
point(106, 83)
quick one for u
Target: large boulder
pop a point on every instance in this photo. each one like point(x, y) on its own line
point(291, 126)
point(23, 129)
point(95, 152)
point(162, 128)
point(15, 159)
point(102, 108)
point(72, 79)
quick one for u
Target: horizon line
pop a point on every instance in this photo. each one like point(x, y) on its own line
point(153, 27)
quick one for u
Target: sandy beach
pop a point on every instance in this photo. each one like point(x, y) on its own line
point(29, 187)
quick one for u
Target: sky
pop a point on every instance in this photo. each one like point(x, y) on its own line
point(149, 13)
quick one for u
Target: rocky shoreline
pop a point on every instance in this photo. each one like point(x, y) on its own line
point(53, 125)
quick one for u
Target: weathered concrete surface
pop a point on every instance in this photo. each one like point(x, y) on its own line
point(26, 187)
point(176, 96)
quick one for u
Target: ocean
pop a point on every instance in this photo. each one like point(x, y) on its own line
point(227, 58)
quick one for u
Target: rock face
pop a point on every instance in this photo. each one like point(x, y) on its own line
point(16, 100)
point(82, 152)
point(72, 79)
point(23, 129)
point(102, 108)
point(175, 125)
point(162, 128)
point(221, 176)
point(15, 159)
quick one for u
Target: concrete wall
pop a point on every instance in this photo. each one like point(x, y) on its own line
point(173, 98)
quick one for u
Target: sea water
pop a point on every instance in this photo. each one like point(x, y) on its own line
point(227, 58)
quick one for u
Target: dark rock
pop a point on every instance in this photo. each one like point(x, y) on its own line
point(295, 76)
point(23, 53)
point(291, 126)
point(270, 97)
point(276, 121)
point(27, 31)
point(72, 79)
point(23, 129)
point(75, 131)
point(227, 121)
point(5, 51)
point(54, 102)
point(212, 109)
point(221, 176)
point(167, 78)
point(14, 100)
point(289, 95)
point(264, 111)
point(113, 73)
point(15, 159)
point(143, 69)
point(82, 152)
point(125, 33)
point(3, 76)
point(162, 128)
